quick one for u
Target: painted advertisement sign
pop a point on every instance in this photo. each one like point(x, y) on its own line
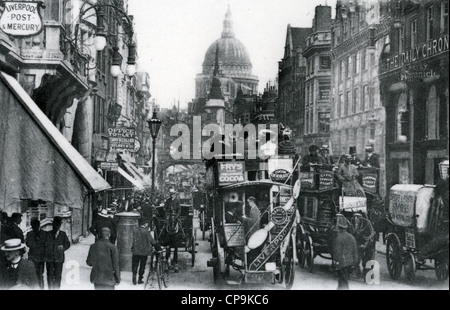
point(21, 19)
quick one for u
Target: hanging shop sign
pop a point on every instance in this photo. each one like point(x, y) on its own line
point(109, 166)
point(122, 139)
point(21, 18)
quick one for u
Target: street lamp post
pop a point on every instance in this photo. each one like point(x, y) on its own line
point(154, 124)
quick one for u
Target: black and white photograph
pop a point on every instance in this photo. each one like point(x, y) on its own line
point(224, 149)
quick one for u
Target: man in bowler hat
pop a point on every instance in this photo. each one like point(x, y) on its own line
point(56, 244)
point(36, 244)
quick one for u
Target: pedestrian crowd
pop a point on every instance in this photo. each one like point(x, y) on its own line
point(45, 252)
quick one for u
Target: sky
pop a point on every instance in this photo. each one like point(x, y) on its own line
point(174, 35)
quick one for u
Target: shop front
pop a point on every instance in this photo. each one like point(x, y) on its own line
point(414, 87)
point(41, 174)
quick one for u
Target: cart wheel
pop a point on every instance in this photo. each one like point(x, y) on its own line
point(203, 226)
point(309, 255)
point(410, 267)
point(301, 247)
point(288, 266)
point(194, 244)
point(441, 269)
point(394, 257)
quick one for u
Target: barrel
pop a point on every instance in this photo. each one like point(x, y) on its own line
point(127, 221)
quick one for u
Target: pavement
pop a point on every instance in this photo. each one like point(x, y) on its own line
point(76, 273)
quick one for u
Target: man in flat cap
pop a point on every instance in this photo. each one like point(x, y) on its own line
point(103, 257)
point(345, 252)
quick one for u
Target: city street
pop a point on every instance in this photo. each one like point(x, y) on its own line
point(200, 276)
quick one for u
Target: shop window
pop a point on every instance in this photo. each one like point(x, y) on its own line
point(443, 115)
point(402, 118)
point(432, 113)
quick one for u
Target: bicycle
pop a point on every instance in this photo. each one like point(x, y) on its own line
point(159, 274)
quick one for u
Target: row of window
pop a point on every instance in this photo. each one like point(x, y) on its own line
point(323, 124)
point(354, 137)
point(361, 100)
point(324, 64)
point(430, 26)
point(354, 64)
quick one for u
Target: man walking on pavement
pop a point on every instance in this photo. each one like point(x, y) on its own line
point(13, 230)
point(19, 273)
point(345, 252)
point(103, 220)
point(36, 244)
point(141, 249)
point(103, 257)
point(56, 244)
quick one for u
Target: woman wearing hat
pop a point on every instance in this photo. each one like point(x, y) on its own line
point(19, 272)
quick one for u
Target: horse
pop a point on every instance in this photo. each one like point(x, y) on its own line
point(172, 235)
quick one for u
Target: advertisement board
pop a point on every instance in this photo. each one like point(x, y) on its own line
point(231, 173)
point(122, 138)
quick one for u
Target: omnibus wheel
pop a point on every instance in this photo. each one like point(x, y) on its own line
point(394, 257)
point(301, 248)
point(441, 269)
point(410, 267)
point(288, 266)
point(309, 255)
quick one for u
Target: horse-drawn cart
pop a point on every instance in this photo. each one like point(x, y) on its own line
point(416, 232)
point(178, 231)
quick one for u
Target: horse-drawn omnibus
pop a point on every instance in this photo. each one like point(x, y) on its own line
point(321, 199)
point(253, 221)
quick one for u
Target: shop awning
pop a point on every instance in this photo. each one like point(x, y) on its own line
point(36, 161)
point(137, 183)
point(134, 171)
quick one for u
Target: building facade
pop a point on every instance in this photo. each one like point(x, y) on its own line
point(358, 118)
point(318, 80)
point(414, 82)
point(291, 84)
point(72, 84)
